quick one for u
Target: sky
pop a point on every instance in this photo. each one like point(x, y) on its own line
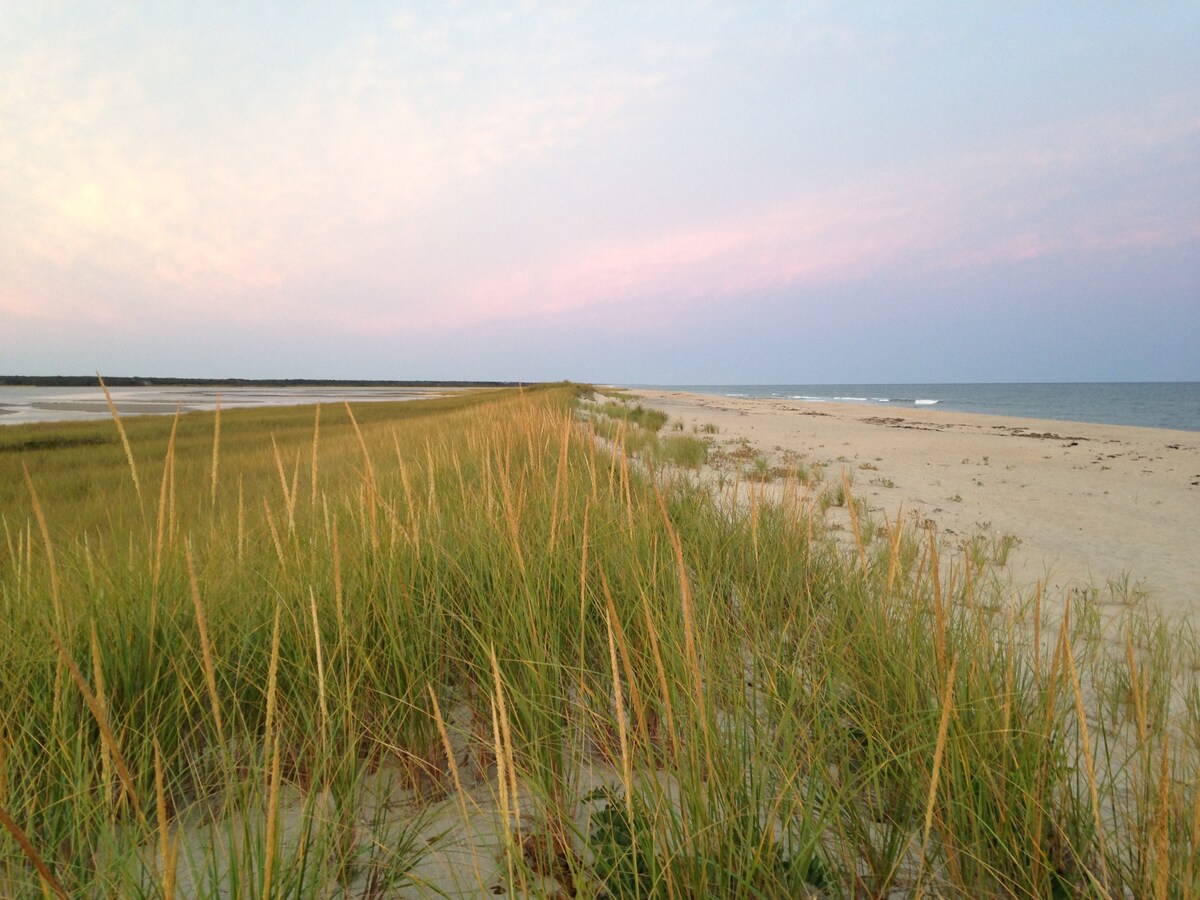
point(628, 192)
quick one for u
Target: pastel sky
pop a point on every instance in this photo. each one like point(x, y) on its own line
point(699, 192)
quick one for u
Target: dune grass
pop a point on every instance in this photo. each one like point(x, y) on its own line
point(303, 658)
point(634, 431)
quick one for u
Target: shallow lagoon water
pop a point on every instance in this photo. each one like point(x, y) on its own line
point(20, 405)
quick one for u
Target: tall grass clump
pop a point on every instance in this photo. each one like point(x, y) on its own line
point(460, 645)
point(634, 414)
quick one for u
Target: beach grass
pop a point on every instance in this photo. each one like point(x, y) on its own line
point(508, 642)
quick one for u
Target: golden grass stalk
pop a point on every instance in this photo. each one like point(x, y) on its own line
point(458, 471)
point(938, 603)
point(625, 487)
point(112, 408)
point(431, 470)
point(295, 492)
point(755, 491)
point(1009, 675)
point(560, 478)
point(862, 553)
point(510, 516)
point(413, 527)
point(283, 486)
point(622, 724)
point(102, 702)
point(660, 670)
point(1162, 832)
point(272, 676)
point(45, 530)
point(167, 848)
point(635, 699)
point(362, 444)
point(1050, 703)
point(241, 521)
point(26, 845)
point(1189, 881)
point(504, 746)
point(591, 458)
point(448, 749)
point(337, 580)
point(618, 444)
point(172, 521)
point(938, 751)
point(1135, 688)
point(895, 533)
point(216, 454)
point(272, 820)
point(106, 733)
point(370, 491)
point(1037, 630)
point(210, 674)
point(583, 597)
point(315, 446)
point(3, 764)
point(168, 471)
point(688, 611)
point(501, 776)
point(274, 535)
point(452, 765)
point(1089, 763)
point(57, 700)
point(321, 701)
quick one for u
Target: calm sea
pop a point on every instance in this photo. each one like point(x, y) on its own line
point(1171, 404)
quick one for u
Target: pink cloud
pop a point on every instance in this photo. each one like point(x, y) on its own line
point(21, 306)
point(998, 207)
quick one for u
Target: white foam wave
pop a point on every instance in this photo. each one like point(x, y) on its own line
point(920, 402)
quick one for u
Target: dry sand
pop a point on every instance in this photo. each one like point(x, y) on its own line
point(1110, 508)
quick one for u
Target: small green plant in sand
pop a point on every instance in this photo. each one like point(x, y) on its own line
point(840, 491)
point(1002, 547)
point(1124, 589)
point(759, 470)
point(683, 450)
point(986, 549)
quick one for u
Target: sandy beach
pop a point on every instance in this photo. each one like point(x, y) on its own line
point(1093, 507)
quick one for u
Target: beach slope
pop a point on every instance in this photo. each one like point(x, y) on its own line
point(1109, 509)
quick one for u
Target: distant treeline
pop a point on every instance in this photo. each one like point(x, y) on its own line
point(139, 381)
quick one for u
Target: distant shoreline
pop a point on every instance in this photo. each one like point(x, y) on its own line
point(139, 381)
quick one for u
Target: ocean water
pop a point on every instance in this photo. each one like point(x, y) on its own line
point(1171, 404)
